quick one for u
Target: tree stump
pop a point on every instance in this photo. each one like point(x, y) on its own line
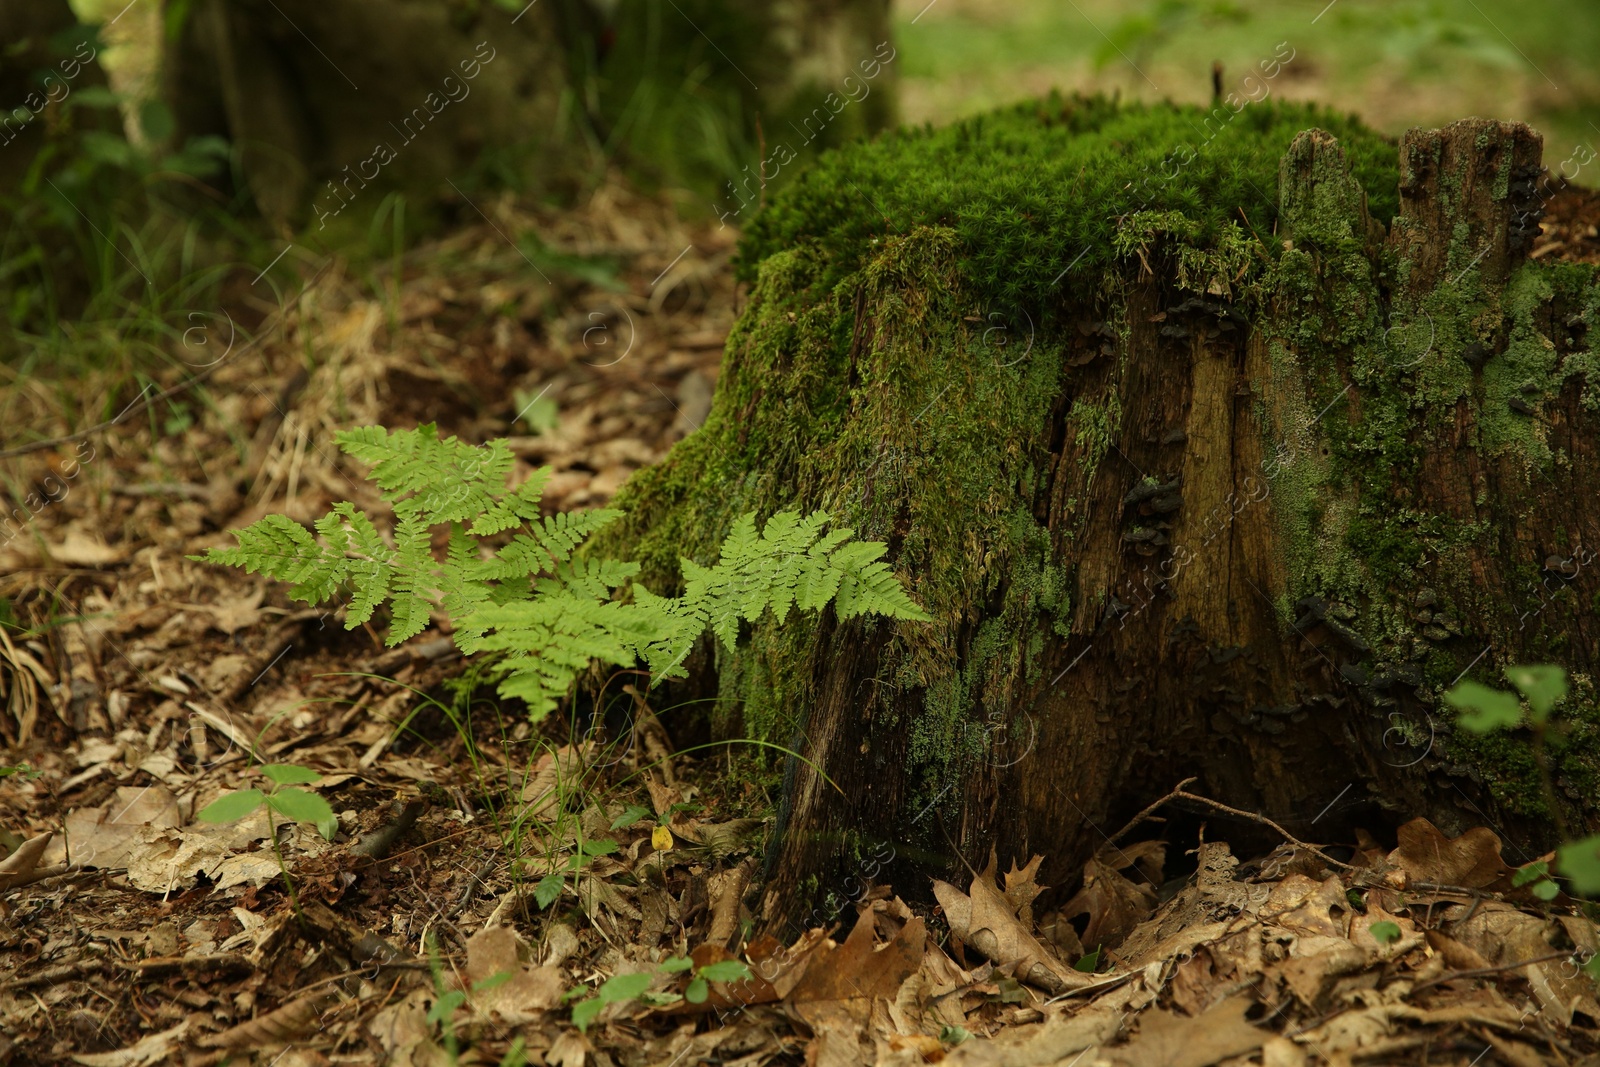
point(1236, 495)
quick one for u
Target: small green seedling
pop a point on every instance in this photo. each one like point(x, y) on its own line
point(537, 411)
point(625, 987)
point(1484, 710)
point(1537, 874)
point(699, 989)
point(550, 886)
point(630, 815)
point(615, 990)
point(296, 805)
point(1384, 932)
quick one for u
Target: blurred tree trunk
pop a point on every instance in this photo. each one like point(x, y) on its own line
point(324, 97)
point(42, 63)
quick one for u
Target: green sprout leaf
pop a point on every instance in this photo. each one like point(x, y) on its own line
point(231, 806)
point(676, 964)
point(300, 806)
point(1385, 932)
point(1543, 686)
point(1580, 862)
point(584, 1011)
point(445, 1007)
point(1088, 963)
point(954, 1035)
point(548, 889)
point(498, 979)
point(725, 971)
point(697, 992)
point(603, 846)
point(630, 815)
point(623, 987)
point(1483, 709)
point(1546, 890)
point(290, 774)
point(1531, 873)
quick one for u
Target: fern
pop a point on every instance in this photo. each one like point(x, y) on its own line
point(510, 581)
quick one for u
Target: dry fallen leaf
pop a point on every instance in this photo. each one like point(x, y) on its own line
point(1426, 855)
point(1114, 903)
point(277, 1027)
point(525, 993)
point(985, 921)
point(22, 866)
point(555, 775)
point(231, 614)
point(859, 968)
point(1168, 1040)
point(157, 1048)
point(79, 549)
point(107, 837)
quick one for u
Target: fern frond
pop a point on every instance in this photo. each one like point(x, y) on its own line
point(544, 614)
point(787, 565)
point(517, 506)
point(559, 534)
point(587, 577)
point(548, 641)
point(414, 564)
point(435, 480)
point(281, 548)
point(461, 593)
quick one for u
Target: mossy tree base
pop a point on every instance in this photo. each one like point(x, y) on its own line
point(1240, 505)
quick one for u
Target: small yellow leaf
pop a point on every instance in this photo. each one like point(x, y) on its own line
point(661, 838)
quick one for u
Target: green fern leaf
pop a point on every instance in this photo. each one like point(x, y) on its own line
point(414, 564)
point(521, 504)
point(544, 615)
point(281, 548)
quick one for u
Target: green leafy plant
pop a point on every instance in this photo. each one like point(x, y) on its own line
point(293, 804)
point(699, 987)
point(296, 805)
point(1384, 932)
point(1483, 710)
point(626, 987)
point(515, 587)
point(550, 886)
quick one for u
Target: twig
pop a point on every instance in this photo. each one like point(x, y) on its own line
point(1264, 821)
point(54, 975)
point(376, 844)
point(1479, 972)
point(146, 401)
point(1145, 814)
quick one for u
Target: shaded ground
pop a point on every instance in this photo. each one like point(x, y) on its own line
point(139, 686)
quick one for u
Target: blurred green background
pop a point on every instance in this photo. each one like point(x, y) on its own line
point(1397, 63)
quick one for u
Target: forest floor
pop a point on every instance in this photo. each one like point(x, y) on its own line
point(483, 870)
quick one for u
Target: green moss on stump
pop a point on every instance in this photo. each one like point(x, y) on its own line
point(921, 427)
point(866, 377)
point(1026, 189)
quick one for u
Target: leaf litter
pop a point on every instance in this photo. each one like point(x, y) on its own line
point(484, 879)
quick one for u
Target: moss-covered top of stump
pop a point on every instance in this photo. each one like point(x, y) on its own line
point(1026, 190)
